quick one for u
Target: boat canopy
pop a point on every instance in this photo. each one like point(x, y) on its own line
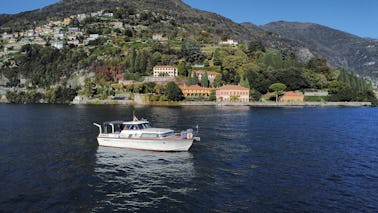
point(113, 122)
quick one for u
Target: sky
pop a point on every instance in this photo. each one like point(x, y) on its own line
point(359, 17)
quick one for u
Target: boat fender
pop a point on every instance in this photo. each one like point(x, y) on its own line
point(189, 135)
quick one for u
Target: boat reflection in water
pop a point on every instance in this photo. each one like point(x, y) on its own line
point(147, 179)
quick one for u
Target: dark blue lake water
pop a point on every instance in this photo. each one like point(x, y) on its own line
point(249, 159)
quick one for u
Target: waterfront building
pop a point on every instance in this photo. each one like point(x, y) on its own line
point(292, 97)
point(196, 91)
point(165, 71)
point(232, 93)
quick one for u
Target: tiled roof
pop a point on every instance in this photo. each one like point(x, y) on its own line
point(165, 67)
point(209, 73)
point(194, 87)
point(232, 87)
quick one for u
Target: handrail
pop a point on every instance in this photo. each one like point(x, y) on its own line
point(99, 126)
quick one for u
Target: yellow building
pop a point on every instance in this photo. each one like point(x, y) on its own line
point(196, 91)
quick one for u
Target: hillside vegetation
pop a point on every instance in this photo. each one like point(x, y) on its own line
point(339, 48)
point(190, 37)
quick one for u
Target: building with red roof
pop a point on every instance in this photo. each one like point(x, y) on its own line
point(210, 75)
point(292, 97)
point(232, 93)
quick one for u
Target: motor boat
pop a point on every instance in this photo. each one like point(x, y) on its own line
point(139, 134)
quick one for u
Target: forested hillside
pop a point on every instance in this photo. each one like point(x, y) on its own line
point(105, 41)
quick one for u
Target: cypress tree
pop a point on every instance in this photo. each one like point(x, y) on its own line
point(205, 80)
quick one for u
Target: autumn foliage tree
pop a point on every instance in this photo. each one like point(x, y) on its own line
point(108, 73)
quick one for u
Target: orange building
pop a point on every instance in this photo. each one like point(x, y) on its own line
point(232, 93)
point(292, 97)
point(67, 20)
point(195, 91)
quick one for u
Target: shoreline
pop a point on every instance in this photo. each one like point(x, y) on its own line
point(251, 104)
point(273, 104)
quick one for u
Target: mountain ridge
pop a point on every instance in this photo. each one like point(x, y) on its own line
point(340, 48)
point(296, 37)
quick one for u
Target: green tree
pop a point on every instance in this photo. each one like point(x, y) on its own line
point(212, 96)
point(132, 60)
point(89, 88)
point(205, 80)
point(254, 46)
point(340, 91)
point(149, 87)
point(181, 69)
point(244, 82)
point(218, 82)
point(159, 89)
point(278, 89)
point(217, 58)
point(191, 51)
point(173, 92)
point(192, 79)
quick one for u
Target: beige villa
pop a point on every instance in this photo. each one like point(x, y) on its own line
point(232, 93)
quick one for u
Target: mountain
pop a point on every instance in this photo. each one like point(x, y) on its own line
point(276, 41)
point(193, 20)
point(166, 16)
point(341, 49)
point(182, 16)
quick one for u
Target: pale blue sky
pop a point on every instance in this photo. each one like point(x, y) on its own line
point(359, 17)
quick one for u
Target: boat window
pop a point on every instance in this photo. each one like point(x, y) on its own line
point(167, 134)
point(133, 127)
point(146, 125)
point(107, 129)
point(149, 135)
point(140, 126)
point(117, 128)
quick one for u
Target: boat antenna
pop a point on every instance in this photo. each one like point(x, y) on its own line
point(134, 117)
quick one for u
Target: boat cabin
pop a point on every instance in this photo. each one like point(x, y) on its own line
point(133, 129)
point(118, 126)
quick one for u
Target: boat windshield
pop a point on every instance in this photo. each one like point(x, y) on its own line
point(137, 126)
point(146, 125)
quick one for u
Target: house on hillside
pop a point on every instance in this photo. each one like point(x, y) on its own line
point(290, 97)
point(159, 37)
point(195, 91)
point(165, 71)
point(229, 42)
point(210, 75)
point(232, 93)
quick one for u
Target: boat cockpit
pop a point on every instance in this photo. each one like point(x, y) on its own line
point(118, 126)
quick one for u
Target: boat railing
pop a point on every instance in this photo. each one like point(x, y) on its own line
point(99, 126)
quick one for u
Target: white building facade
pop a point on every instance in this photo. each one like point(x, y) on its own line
point(165, 71)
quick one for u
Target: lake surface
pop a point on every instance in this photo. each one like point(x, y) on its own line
point(249, 159)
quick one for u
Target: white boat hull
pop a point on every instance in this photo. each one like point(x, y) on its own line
point(173, 145)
